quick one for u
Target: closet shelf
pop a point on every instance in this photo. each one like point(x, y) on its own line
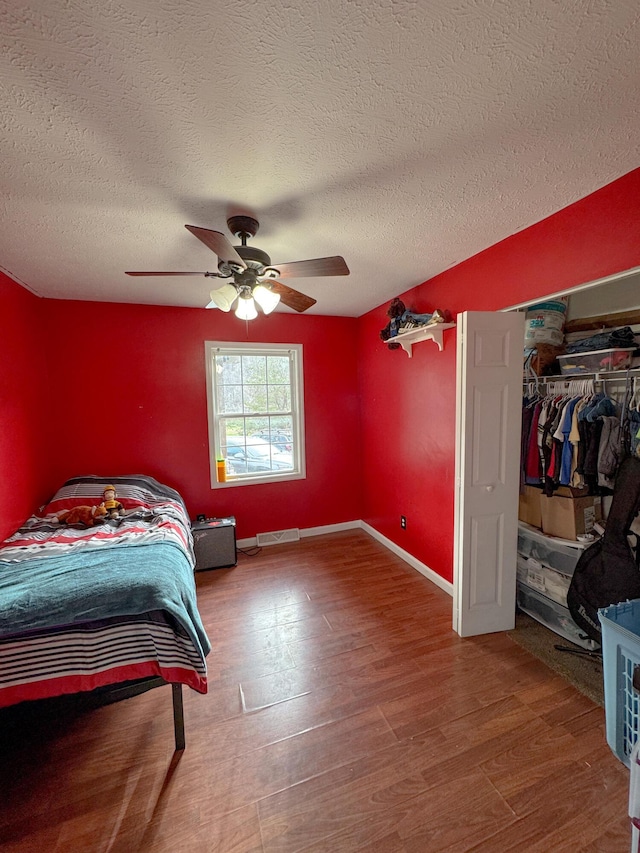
point(608, 375)
point(421, 333)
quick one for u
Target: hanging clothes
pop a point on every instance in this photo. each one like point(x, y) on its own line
point(575, 437)
point(610, 452)
point(533, 468)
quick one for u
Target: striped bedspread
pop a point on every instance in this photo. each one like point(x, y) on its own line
point(86, 607)
point(153, 512)
point(74, 659)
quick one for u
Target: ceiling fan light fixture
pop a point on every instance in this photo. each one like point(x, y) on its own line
point(246, 309)
point(223, 297)
point(250, 267)
point(265, 298)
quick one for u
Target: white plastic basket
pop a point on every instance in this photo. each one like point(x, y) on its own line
point(620, 655)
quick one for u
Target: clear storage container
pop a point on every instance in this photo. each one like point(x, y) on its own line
point(596, 361)
point(549, 582)
point(553, 616)
point(559, 554)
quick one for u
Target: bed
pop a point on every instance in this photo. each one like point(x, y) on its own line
point(111, 606)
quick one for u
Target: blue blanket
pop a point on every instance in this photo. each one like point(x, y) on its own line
point(100, 583)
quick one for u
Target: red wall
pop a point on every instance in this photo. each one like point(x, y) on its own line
point(128, 386)
point(25, 438)
point(408, 405)
point(132, 399)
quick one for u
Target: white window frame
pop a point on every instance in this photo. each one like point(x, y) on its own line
point(214, 348)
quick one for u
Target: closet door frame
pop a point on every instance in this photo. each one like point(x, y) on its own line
point(473, 573)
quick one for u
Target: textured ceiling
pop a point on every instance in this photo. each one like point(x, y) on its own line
point(405, 135)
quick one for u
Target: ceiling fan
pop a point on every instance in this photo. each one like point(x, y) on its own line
point(254, 277)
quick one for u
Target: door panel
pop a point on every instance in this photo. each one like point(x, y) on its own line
point(489, 368)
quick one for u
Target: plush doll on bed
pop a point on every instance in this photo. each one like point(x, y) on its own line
point(87, 515)
point(113, 508)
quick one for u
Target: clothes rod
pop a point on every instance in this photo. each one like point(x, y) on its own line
point(600, 376)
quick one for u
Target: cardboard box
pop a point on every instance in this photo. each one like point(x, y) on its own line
point(567, 517)
point(529, 506)
point(571, 492)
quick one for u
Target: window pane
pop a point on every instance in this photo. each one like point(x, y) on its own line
point(283, 424)
point(279, 398)
point(228, 369)
point(230, 426)
point(254, 369)
point(255, 398)
point(229, 399)
point(253, 426)
point(278, 370)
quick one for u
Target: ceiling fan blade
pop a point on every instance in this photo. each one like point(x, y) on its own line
point(290, 297)
point(218, 243)
point(165, 273)
point(317, 266)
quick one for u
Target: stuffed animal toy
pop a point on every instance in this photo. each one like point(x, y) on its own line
point(400, 318)
point(112, 507)
point(395, 311)
point(87, 515)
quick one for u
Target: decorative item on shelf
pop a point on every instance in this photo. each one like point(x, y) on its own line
point(403, 324)
point(544, 322)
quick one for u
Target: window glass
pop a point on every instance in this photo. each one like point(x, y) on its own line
point(256, 412)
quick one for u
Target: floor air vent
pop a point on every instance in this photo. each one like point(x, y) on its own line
point(276, 536)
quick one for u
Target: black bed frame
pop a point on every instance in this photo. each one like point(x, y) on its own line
point(116, 692)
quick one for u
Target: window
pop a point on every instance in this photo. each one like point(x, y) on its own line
point(256, 412)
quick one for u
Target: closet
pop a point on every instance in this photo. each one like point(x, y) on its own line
point(489, 360)
point(576, 430)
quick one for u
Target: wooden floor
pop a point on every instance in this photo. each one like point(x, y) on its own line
point(343, 714)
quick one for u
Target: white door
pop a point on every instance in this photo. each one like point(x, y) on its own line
point(488, 428)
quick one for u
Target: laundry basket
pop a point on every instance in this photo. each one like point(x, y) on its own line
point(620, 655)
point(634, 798)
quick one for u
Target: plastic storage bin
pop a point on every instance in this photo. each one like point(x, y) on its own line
point(551, 614)
point(559, 554)
point(620, 655)
point(596, 361)
point(549, 582)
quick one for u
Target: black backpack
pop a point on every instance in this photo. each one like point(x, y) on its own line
point(607, 571)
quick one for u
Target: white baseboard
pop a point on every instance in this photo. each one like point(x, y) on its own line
point(252, 542)
point(434, 577)
point(331, 528)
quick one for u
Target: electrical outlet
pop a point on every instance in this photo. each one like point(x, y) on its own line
point(403, 522)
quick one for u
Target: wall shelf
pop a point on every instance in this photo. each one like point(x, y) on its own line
point(421, 333)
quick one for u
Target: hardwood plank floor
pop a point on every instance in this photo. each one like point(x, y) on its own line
point(343, 714)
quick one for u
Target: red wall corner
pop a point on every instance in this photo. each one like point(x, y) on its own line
point(25, 437)
point(408, 405)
